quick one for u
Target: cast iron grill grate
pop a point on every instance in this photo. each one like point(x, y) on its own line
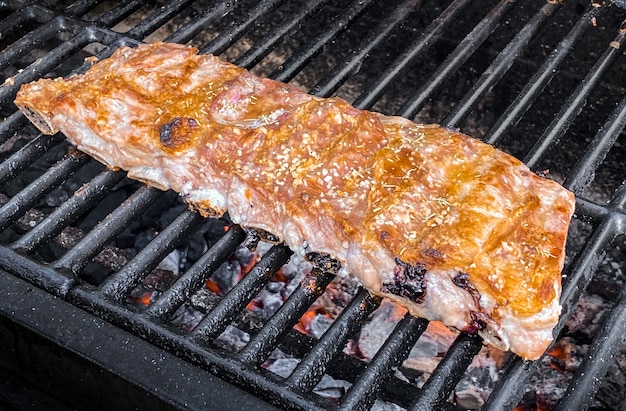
point(502, 71)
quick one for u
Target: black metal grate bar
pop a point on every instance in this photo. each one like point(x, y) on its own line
point(501, 64)
point(81, 7)
point(118, 13)
point(584, 171)
point(82, 200)
point(461, 53)
point(341, 72)
point(121, 283)
point(395, 350)
point(26, 156)
point(262, 48)
point(590, 211)
point(618, 203)
point(541, 78)
point(194, 277)
point(33, 271)
point(157, 19)
point(308, 51)
point(422, 43)
point(89, 246)
point(262, 344)
point(11, 124)
point(227, 37)
point(54, 176)
point(572, 107)
point(190, 29)
point(36, 37)
point(216, 321)
point(312, 367)
point(436, 390)
point(24, 15)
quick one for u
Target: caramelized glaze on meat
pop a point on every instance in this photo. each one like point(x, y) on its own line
point(447, 226)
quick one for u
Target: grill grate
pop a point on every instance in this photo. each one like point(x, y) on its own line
point(401, 56)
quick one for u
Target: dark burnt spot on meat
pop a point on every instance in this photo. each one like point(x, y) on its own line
point(177, 132)
point(478, 322)
point(252, 239)
point(384, 235)
point(408, 281)
point(323, 261)
point(256, 234)
point(462, 280)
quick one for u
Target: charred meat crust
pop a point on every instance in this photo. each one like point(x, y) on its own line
point(254, 235)
point(409, 281)
point(323, 261)
point(479, 321)
point(177, 132)
point(462, 280)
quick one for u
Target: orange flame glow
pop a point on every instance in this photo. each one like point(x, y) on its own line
point(559, 356)
point(252, 305)
point(304, 325)
point(245, 269)
point(213, 286)
point(145, 299)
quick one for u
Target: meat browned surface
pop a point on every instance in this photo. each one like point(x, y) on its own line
point(445, 225)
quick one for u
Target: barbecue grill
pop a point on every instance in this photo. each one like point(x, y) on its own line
point(542, 80)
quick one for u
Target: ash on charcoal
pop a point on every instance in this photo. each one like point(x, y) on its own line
point(227, 275)
point(269, 300)
point(550, 385)
point(186, 317)
point(319, 325)
point(283, 365)
point(294, 271)
point(378, 327)
point(338, 294)
point(171, 262)
point(232, 339)
point(203, 300)
point(587, 316)
point(69, 237)
point(475, 386)
point(273, 295)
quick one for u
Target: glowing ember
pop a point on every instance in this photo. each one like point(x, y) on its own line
point(305, 323)
point(144, 299)
point(213, 286)
point(560, 354)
